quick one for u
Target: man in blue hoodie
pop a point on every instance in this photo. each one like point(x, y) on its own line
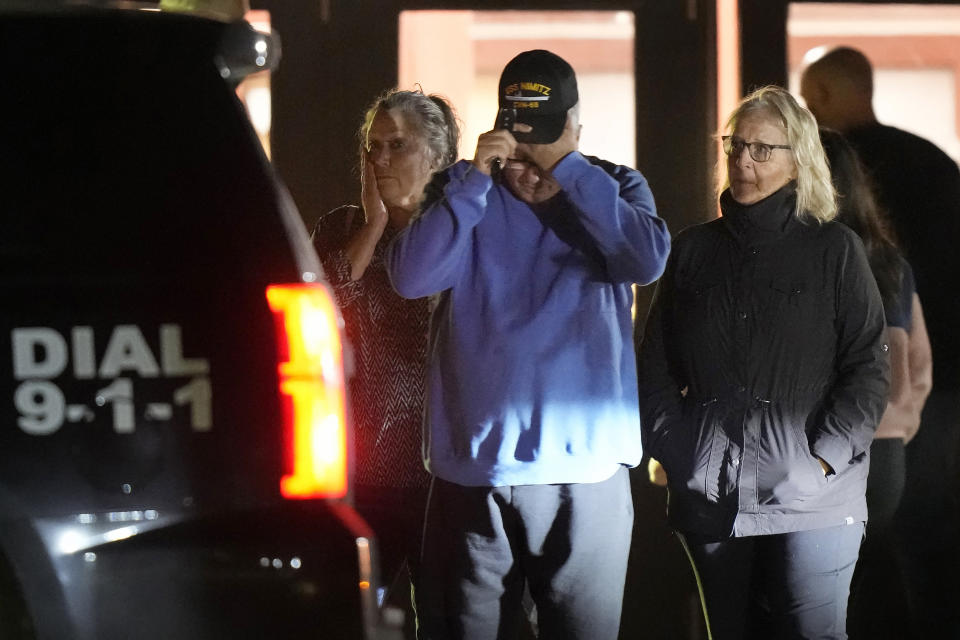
point(531, 410)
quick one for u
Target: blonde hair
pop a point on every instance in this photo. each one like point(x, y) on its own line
point(816, 197)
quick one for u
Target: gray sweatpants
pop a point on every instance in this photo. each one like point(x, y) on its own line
point(568, 542)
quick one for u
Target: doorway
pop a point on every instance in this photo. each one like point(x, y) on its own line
point(460, 54)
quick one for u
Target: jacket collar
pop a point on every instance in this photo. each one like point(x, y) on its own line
point(764, 221)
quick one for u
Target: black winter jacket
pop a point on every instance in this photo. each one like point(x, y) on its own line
point(764, 351)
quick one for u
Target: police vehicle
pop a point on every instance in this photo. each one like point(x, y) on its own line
point(174, 431)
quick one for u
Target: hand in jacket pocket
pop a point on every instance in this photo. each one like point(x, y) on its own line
point(827, 469)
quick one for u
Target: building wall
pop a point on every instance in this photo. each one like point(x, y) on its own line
point(339, 54)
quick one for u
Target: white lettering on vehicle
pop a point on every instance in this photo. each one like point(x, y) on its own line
point(41, 354)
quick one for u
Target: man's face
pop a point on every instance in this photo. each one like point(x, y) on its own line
point(528, 182)
point(523, 174)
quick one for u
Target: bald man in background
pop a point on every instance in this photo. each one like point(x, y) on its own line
point(919, 186)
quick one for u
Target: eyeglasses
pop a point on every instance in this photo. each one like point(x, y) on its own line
point(759, 151)
point(513, 164)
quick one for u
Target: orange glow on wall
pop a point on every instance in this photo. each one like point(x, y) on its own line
point(728, 74)
point(728, 60)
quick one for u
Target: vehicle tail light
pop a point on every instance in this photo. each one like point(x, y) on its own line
point(312, 385)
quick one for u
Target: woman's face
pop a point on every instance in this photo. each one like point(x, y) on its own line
point(400, 160)
point(752, 181)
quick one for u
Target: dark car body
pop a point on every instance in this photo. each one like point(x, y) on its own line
point(144, 426)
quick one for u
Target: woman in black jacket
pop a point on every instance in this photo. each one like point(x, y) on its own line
point(763, 374)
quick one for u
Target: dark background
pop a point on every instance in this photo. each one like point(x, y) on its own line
point(339, 54)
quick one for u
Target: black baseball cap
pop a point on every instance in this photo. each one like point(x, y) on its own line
point(542, 87)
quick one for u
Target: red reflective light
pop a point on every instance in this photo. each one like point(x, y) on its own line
point(311, 380)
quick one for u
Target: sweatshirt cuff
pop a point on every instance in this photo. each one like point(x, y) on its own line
point(474, 181)
point(570, 167)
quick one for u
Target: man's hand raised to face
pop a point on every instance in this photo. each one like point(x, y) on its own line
point(498, 144)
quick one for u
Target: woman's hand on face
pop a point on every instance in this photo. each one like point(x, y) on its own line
point(373, 206)
point(361, 247)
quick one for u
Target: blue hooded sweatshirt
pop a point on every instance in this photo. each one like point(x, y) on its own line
point(531, 371)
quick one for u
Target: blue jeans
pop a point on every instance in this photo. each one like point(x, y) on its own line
point(775, 587)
